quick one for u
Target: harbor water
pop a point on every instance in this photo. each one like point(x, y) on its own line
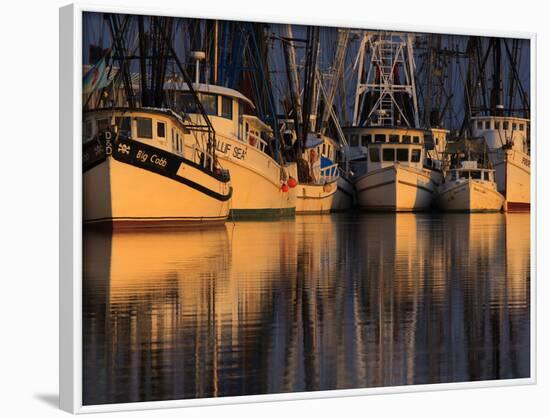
point(319, 302)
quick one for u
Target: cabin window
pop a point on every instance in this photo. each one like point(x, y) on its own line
point(436, 141)
point(463, 174)
point(415, 155)
point(505, 125)
point(173, 138)
point(488, 124)
point(124, 125)
point(210, 103)
point(497, 125)
point(102, 124)
point(403, 155)
point(88, 128)
point(394, 138)
point(365, 139)
point(514, 126)
point(380, 138)
point(374, 154)
point(475, 175)
point(480, 124)
point(227, 107)
point(161, 130)
point(144, 128)
point(416, 139)
point(388, 154)
point(354, 140)
point(186, 103)
point(324, 150)
point(521, 127)
point(406, 139)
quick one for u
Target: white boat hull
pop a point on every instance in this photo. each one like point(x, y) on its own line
point(345, 195)
point(396, 188)
point(513, 177)
point(256, 181)
point(315, 198)
point(469, 196)
point(125, 195)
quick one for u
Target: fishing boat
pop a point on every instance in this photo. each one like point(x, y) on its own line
point(387, 145)
point(305, 126)
point(136, 172)
point(469, 188)
point(262, 184)
point(394, 175)
point(318, 177)
point(499, 111)
point(508, 143)
point(144, 164)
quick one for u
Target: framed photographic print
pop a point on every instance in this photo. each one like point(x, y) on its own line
point(267, 210)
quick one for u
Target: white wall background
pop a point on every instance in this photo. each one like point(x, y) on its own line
point(29, 200)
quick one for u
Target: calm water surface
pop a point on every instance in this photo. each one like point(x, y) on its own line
point(315, 303)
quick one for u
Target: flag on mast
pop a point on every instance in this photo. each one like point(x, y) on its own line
point(96, 77)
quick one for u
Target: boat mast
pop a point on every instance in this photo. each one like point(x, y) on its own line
point(387, 96)
point(292, 75)
point(335, 75)
point(312, 49)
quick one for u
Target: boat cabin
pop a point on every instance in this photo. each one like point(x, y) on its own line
point(161, 128)
point(470, 171)
point(385, 146)
point(231, 113)
point(500, 131)
point(320, 152)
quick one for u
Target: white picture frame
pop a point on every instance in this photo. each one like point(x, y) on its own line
point(70, 217)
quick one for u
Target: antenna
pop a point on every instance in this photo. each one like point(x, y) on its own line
point(198, 56)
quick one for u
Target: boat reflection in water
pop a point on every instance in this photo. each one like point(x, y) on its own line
point(315, 303)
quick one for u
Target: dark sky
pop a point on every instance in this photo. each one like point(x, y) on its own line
point(95, 31)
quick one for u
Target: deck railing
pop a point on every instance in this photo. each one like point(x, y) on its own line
point(256, 141)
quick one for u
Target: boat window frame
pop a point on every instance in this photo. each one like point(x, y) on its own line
point(88, 129)
point(487, 124)
point(378, 137)
point(497, 125)
point(374, 151)
point(393, 138)
point(476, 172)
point(406, 139)
point(223, 113)
point(400, 150)
point(365, 139)
point(150, 120)
point(388, 149)
point(417, 152)
point(99, 122)
point(163, 124)
point(505, 125)
point(354, 140)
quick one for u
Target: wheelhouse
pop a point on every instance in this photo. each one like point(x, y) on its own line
point(383, 147)
point(471, 174)
point(231, 113)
